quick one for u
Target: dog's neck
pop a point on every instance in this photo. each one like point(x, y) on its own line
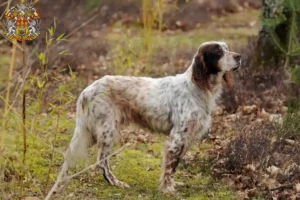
point(215, 81)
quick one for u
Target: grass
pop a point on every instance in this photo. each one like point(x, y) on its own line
point(4, 68)
point(244, 17)
point(182, 40)
point(139, 166)
point(126, 47)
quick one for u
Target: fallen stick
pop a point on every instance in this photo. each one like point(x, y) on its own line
point(287, 186)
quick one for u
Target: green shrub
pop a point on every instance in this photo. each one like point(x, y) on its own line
point(281, 19)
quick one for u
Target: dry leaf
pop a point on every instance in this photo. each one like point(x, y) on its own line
point(283, 109)
point(249, 109)
point(251, 192)
point(251, 167)
point(141, 138)
point(273, 170)
point(277, 118)
point(297, 187)
point(218, 111)
point(263, 114)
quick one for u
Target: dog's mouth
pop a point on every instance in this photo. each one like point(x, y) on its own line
point(237, 66)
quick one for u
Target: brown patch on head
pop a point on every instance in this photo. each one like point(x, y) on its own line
point(206, 62)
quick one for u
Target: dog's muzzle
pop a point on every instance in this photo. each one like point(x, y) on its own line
point(237, 66)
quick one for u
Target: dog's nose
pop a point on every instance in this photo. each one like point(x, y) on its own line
point(237, 57)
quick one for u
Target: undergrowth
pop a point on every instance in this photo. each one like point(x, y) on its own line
point(263, 159)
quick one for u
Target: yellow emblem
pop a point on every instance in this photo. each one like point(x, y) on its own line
point(21, 23)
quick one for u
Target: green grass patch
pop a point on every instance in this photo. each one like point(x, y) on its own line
point(140, 168)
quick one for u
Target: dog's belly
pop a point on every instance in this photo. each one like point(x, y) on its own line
point(161, 123)
point(153, 119)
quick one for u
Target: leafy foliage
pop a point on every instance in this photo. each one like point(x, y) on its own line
point(285, 15)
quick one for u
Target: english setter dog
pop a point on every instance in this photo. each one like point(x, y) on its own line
point(179, 106)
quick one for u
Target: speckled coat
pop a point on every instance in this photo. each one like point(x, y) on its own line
point(179, 106)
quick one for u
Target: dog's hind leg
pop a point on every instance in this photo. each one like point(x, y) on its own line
point(107, 133)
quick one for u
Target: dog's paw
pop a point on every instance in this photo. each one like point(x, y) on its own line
point(178, 183)
point(169, 190)
point(121, 184)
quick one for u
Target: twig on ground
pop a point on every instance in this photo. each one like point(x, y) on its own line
point(287, 186)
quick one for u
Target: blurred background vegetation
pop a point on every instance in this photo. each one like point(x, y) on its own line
point(253, 148)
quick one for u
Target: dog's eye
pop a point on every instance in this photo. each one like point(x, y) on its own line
point(219, 49)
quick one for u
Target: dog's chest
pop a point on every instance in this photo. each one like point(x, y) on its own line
point(207, 125)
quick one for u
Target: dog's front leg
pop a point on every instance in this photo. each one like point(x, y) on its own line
point(174, 148)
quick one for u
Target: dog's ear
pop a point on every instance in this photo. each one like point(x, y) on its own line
point(200, 74)
point(228, 78)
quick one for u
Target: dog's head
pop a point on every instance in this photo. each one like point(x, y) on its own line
point(214, 58)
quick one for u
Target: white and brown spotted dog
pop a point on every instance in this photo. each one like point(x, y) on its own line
point(179, 106)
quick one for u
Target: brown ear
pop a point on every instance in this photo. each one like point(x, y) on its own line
point(200, 73)
point(228, 78)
